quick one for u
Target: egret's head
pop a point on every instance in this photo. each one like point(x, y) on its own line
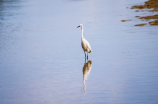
point(80, 26)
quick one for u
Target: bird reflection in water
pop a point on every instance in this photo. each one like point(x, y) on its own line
point(86, 70)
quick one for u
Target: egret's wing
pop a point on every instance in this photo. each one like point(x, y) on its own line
point(88, 46)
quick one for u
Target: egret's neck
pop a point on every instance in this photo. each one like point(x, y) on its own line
point(82, 33)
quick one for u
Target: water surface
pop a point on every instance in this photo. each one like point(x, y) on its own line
point(42, 62)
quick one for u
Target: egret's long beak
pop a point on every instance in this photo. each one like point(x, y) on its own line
point(78, 26)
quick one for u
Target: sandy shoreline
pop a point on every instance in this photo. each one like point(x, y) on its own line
point(151, 6)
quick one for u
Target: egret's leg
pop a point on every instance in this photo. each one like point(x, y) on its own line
point(87, 56)
point(85, 59)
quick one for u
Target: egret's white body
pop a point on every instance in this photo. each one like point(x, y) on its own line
point(84, 43)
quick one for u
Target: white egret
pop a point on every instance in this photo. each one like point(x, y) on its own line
point(84, 43)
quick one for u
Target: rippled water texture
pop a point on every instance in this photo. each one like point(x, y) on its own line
point(42, 62)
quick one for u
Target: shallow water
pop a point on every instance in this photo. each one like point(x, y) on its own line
point(42, 62)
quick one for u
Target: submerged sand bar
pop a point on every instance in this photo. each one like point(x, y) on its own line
point(151, 4)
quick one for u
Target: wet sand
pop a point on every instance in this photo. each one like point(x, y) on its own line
point(125, 20)
point(148, 4)
point(151, 4)
point(141, 24)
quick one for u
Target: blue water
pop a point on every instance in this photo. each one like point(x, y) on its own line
point(42, 62)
